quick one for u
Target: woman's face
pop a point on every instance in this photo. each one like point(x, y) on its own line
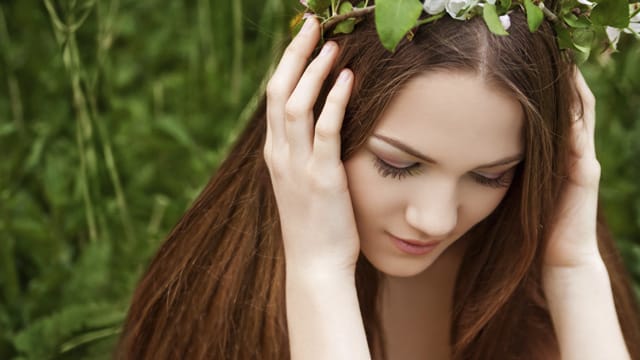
point(439, 161)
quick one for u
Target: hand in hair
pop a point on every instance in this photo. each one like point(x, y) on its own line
point(573, 240)
point(316, 216)
point(575, 280)
point(307, 175)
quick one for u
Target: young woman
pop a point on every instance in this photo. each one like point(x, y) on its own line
point(438, 202)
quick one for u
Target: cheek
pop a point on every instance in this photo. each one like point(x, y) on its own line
point(480, 202)
point(372, 198)
point(359, 180)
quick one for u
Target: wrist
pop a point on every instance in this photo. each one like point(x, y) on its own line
point(319, 275)
point(581, 305)
point(587, 264)
point(323, 314)
point(564, 278)
point(323, 270)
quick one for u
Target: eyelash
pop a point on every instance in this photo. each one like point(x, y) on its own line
point(500, 182)
point(386, 170)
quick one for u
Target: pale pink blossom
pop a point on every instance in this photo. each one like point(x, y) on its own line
point(506, 21)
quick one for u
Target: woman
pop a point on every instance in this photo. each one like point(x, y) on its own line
point(444, 206)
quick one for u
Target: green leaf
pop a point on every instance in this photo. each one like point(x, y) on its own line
point(504, 5)
point(88, 337)
point(45, 336)
point(576, 22)
point(566, 6)
point(345, 27)
point(490, 15)
point(582, 40)
point(534, 15)
point(611, 13)
point(175, 129)
point(318, 6)
point(580, 56)
point(564, 37)
point(394, 18)
point(345, 7)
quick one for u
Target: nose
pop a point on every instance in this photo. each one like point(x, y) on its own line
point(434, 211)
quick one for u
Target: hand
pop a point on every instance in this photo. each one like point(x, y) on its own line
point(308, 178)
point(573, 239)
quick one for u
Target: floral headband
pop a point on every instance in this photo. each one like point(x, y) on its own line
point(578, 24)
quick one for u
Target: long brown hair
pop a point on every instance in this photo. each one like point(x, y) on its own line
point(215, 289)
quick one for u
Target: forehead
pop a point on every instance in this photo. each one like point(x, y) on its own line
point(455, 114)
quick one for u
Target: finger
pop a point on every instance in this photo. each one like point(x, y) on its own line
point(299, 107)
point(579, 138)
point(585, 170)
point(588, 108)
point(584, 167)
point(326, 142)
point(286, 76)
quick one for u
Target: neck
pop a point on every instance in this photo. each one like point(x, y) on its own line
point(416, 311)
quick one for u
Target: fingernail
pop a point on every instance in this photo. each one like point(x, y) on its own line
point(326, 49)
point(344, 76)
point(307, 26)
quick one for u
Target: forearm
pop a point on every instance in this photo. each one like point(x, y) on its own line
point(323, 317)
point(583, 312)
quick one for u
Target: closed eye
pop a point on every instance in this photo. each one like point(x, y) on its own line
point(385, 169)
point(502, 181)
point(396, 172)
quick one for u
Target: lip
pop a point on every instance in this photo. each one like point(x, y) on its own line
point(413, 247)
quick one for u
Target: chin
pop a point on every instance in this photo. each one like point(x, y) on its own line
point(400, 266)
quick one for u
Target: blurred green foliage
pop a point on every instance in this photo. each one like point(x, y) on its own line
point(114, 114)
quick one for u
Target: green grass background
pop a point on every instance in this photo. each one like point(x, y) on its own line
point(114, 114)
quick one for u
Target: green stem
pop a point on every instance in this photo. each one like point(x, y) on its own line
point(356, 13)
point(549, 14)
point(430, 19)
point(89, 337)
point(206, 40)
point(15, 99)
point(103, 134)
point(238, 40)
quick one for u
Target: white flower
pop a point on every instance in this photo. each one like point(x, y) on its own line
point(455, 6)
point(506, 21)
point(492, 2)
point(614, 35)
point(634, 22)
point(632, 9)
point(634, 28)
point(433, 7)
point(587, 2)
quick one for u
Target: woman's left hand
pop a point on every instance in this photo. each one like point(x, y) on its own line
point(573, 240)
point(575, 280)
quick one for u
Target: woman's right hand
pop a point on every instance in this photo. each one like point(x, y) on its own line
point(308, 178)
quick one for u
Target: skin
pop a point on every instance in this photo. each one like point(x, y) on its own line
point(446, 147)
point(445, 193)
point(321, 238)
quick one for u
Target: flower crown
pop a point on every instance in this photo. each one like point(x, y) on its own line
point(578, 24)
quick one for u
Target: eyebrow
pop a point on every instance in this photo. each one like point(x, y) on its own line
point(415, 153)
